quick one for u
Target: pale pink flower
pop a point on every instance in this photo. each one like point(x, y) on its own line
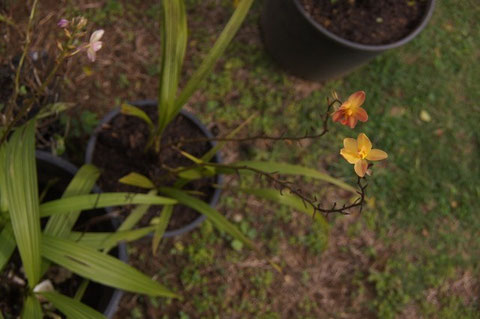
point(94, 44)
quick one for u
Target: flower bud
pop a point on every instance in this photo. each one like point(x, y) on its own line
point(63, 23)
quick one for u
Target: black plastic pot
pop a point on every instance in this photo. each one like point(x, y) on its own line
point(102, 298)
point(306, 49)
point(217, 158)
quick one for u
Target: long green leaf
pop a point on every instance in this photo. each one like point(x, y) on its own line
point(99, 267)
point(174, 44)
point(209, 155)
point(3, 196)
point(215, 52)
point(136, 179)
point(7, 245)
point(82, 183)
point(161, 227)
point(92, 201)
point(81, 289)
point(21, 191)
point(136, 214)
point(290, 169)
point(287, 200)
point(131, 110)
point(70, 307)
point(32, 308)
point(107, 240)
point(214, 216)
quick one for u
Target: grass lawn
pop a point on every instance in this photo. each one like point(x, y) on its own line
point(414, 251)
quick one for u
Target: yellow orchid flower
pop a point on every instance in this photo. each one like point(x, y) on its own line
point(358, 151)
point(350, 112)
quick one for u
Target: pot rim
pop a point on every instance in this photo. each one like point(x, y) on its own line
point(368, 47)
point(65, 165)
point(218, 158)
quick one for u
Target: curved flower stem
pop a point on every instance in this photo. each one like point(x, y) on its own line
point(281, 185)
point(261, 136)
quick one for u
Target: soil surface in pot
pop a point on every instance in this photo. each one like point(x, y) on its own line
point(371, 22)
point(13, 283)
point(120, 150)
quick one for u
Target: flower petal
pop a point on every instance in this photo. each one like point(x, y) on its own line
point(96, 36)
point(91, 54)
point(357, 98)
point(96, 45)
point(350, 145)
point(361, 114)
point(352, 121)
point(361, 167)
point(350, 157)
point(364, 144)
point(376, 155)
point(337, 115)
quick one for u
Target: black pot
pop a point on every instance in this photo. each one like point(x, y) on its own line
point(217, 158)
point(306, 49)
point(102, 298)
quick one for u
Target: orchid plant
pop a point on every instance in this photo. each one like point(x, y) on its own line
point(70, 45)
point(43, 232)
point(174, 43)
point(81, 253)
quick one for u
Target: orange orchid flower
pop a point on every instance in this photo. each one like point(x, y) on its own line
point(350, 112)
point(358, 151)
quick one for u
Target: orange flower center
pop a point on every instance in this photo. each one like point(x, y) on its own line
point(350, 111)
point(363, 154)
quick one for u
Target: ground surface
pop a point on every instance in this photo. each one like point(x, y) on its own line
point(414, 251)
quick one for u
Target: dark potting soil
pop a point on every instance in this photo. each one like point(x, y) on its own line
point(371, 22)
point(120, 150)
point(13, 283)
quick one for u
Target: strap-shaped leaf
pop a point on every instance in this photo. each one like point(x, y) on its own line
point(21, 191)
point(99, 267)
point(70, 307)
point(32, 308)
point(209, 155)
point(91, 201)
point(3, 197)
point(287, 200)
point(128, 109)
point(81, 289)
point(136, 214)
point(290, 169)
point(136, 179)
point(214, 216)
point(174, 44)
point(101, 241)
point(161, 227)
point(217, 50)
point(82, 183)
point(7, 245)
